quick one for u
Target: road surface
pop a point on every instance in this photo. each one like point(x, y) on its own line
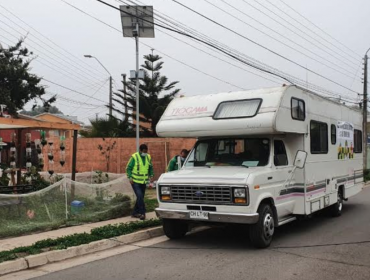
point(300, 250)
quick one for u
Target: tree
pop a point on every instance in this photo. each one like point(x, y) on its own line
point(41, 109)
point(17, 84)
point(111, 127)
point(155, 94)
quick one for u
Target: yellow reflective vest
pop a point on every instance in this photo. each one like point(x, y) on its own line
point(140, 171)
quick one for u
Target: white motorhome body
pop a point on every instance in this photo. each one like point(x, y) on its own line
point(275, 124)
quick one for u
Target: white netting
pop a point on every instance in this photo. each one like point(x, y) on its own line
point(91, 198)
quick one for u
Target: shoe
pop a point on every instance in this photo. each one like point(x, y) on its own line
point(142, 217)
point(138, 216)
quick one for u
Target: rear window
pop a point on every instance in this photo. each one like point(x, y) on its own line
point(237, 109)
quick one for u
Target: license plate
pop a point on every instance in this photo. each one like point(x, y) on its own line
point(201, 215)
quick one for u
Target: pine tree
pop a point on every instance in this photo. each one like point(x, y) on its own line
point(155, 94)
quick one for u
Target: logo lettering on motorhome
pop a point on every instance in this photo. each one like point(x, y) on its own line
point(188, 111)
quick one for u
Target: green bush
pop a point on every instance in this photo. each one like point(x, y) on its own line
point(64, 242)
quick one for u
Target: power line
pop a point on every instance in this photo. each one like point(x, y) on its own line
point(281, 42)
point(54, 83)
point(305, 33)
point(187, 35)
point(254, 42)
point(57, 69)
point(174, 24)
point(312, 31)
point(88, 98)
point(265, 69)
point(68, 65)
point(69, 100)
point(55, 44)
point(318, 27)
point(150, 47)
point(216, 57)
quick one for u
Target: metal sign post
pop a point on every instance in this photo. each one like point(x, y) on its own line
point(137, 21)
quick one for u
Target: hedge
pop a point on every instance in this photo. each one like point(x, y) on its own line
point(64, 242)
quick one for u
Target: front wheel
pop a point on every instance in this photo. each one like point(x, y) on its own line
point(261, 233)
point(175, 229)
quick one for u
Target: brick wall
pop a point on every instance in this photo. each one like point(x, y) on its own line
point(90, 158)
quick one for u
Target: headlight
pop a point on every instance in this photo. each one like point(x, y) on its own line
point(165, 190)
point(239, 192)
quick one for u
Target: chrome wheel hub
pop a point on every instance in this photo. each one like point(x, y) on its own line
point(268, 226)
point(340, 204)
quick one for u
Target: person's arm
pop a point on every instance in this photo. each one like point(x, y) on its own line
point(151, 171)
point(171, 165)
point(130, 166)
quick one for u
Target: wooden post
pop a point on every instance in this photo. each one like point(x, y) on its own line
point(74, 158)
point(19, 156)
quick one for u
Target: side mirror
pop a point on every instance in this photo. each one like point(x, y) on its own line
point(300, 159)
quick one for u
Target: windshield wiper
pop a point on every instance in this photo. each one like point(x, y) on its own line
point(246, 166)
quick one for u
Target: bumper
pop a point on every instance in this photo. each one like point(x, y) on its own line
point(219, 217)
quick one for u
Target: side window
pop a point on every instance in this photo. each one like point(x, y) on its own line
point(298, 109)
point(358, 141)
point(333, 131)
point(280, 156)
point(319, 137)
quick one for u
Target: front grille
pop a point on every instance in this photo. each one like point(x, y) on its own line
point(201, 194)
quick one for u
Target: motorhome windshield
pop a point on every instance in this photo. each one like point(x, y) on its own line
point(248, 152)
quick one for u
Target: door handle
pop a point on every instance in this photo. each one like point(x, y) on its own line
point(269, 178)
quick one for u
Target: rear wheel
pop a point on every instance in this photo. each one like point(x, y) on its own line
point(336, 209)
point(175, 229)
point(261, 233)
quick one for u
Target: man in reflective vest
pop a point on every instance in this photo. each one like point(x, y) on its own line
point(177, 161)
point(140, 171)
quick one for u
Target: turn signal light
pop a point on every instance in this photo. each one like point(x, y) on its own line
point(166, 197)
point(240, 200)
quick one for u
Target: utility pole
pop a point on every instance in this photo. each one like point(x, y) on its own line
point(364, 111)
point(110, 96)
point(136, 35)
point(124, 94)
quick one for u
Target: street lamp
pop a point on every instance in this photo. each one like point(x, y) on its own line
point(110, 82)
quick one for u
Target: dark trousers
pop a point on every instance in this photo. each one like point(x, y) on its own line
point(139, 190)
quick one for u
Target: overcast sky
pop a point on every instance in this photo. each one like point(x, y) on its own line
point(334, 51)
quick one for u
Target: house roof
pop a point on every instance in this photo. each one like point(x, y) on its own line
point(33, 122)
point(72, 119)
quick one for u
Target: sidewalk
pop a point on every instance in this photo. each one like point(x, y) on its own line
point(27, 240)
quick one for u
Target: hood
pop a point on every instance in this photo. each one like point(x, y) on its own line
point(214, 175)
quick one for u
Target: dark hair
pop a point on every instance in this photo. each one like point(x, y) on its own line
point(185, 151)
point(143, 147)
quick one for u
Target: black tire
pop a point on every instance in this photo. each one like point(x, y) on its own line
point(175, 229)
point(261, 233)
point(336, 209)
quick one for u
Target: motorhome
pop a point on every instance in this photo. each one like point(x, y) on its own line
point(263, 157)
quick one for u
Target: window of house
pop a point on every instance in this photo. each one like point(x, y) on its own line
point(319, 137)
point(280, 156)
point(358, 141)
point(333, 134)
point(298, 108)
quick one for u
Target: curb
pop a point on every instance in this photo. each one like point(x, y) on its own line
point(72, 252)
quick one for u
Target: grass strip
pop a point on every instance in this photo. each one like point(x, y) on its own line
point(65, 242)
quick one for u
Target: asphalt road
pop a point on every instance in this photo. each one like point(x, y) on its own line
point(300, 250)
